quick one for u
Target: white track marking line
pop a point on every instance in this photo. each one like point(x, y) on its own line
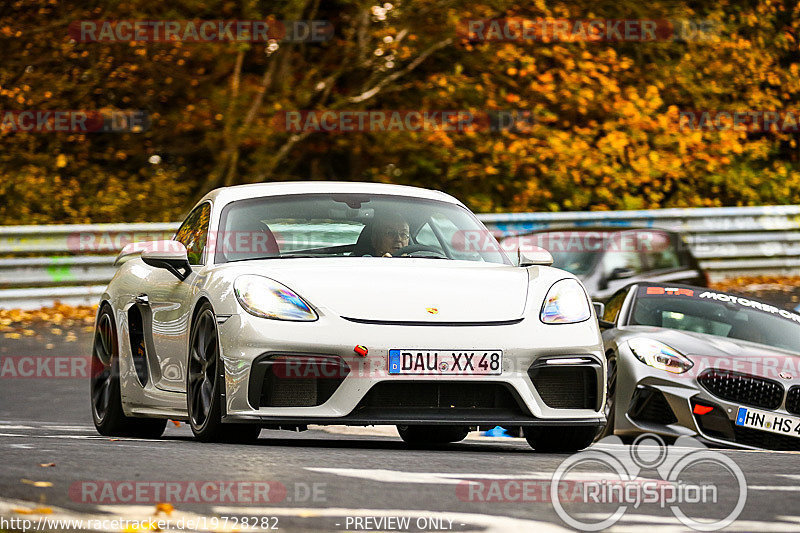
point(454, 478)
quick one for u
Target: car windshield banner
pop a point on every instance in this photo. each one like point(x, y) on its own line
point(697, 294)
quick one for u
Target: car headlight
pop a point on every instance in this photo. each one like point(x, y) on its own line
point(659, 355)
point(266, 298)
point(565, 303)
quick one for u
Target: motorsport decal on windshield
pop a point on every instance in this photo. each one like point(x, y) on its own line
point(646, 292)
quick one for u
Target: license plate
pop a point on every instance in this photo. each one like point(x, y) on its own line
point(446, 362)
point(766, 421)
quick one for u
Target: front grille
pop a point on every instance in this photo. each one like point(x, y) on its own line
point(742, 388)
point(651, 407)
point(716, 424)
point(440, 396)
point(793, 400)
point(289, 380)
point(566, 386)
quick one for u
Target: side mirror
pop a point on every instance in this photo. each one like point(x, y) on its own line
point(600, 309)
point(169, 255)
point(621, 273)
point(534, 256)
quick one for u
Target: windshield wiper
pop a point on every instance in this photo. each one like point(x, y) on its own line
point(423, 255)
point(291, 255)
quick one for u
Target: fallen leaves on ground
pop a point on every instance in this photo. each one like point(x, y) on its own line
point(47, 465)
point(165, 508)
point(40, 484)
point(35, 510)
point(16, 323)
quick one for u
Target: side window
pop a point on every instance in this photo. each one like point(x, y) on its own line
point(661, 253)
point(193, 233)
point(614, 259)
point(614, 305)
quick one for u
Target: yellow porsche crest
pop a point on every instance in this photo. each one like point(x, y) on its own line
point(432, 310)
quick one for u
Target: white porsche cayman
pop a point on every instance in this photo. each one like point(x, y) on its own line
point(286, 304)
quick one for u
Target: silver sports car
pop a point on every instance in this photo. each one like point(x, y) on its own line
point(692, 361)
point(287, 304)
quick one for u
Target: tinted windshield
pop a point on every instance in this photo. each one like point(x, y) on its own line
point(717, 314)
point(349, 225)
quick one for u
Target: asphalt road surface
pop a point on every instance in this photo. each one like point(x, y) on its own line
point(54, 466)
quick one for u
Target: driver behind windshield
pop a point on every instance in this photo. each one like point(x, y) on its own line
point(389, 235)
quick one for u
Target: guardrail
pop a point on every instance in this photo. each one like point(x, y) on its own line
point(73, 263)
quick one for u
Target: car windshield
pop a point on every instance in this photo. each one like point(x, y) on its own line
point(351, 225)
point(719, 314)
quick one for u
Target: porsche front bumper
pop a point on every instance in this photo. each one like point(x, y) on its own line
point(366, 394)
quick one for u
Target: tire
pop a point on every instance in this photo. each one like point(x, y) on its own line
point(610, 407)
point(204, 382)
point(559, 438)
point(427, 435)
point(105, 396)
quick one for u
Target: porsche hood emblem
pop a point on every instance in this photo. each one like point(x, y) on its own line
point(432, 310)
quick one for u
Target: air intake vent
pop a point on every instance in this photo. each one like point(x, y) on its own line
point(567, 386)
point(651, 407)
point(289, 380)
point(440, 395)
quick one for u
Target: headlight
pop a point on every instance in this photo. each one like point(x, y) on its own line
point(659, 355)
point(565, 303)
point(267, 298)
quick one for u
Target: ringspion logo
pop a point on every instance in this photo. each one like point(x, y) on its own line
point(625, 483)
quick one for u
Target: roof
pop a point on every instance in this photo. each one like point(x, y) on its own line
point(225, 195)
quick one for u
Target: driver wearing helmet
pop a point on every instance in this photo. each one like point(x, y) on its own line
point(389, 235)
